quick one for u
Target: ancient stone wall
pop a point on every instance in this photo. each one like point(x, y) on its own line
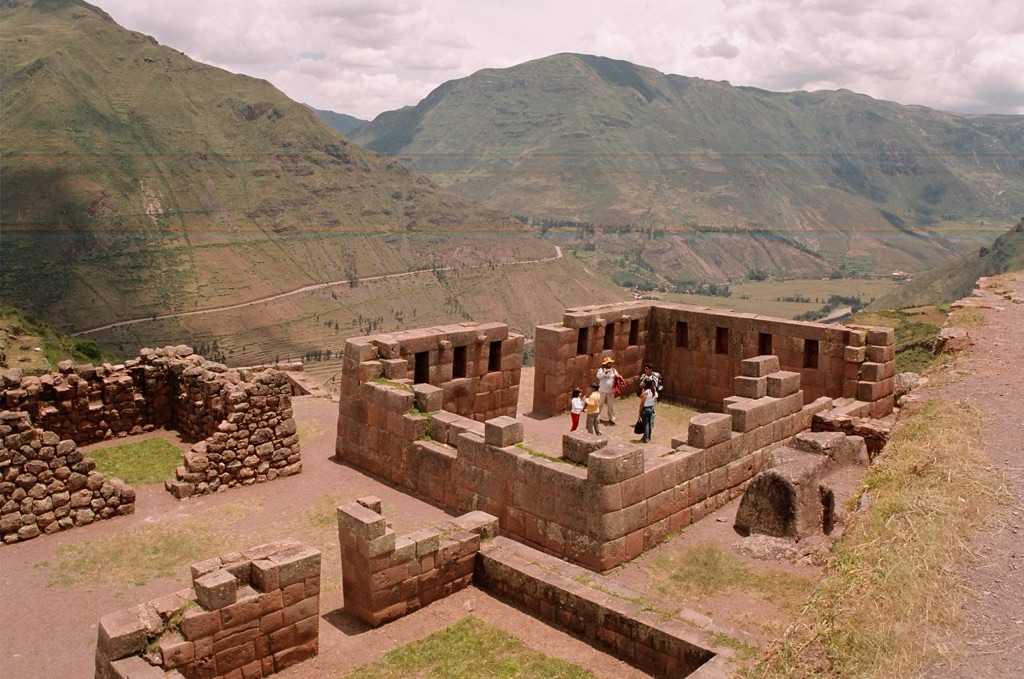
point(387, 576)
point(698, 352)
point(476, 366)
point(47, 485)
point(241, 418)
point(601, 515)
point(250, 614)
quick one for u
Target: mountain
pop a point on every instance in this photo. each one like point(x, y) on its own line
point(704, 180)
point(137, 183)
point(955, 280)
point(342, 122)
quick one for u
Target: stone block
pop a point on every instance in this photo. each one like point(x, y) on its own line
point(880, 354)
point(395, 368)
point(480, 523)
point(359, 522)
point(876, 372)
point(750, 387)
point(216, 590)
point(428, 398)
point(783, 383)
point(120, 635)
point(759, 366)
point(880, 336)
point(873, 391)
point(708, 429)
point(854, 354)
point(371, 502)
point(503, 431)
point(578, 445)
point(296, 564)
point(615, 463)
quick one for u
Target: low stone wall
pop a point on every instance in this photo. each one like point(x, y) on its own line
point(47, 485)
point(241, 418)
point(601, 515)
point(386, 576)
point(605, 613)
point(247, 615)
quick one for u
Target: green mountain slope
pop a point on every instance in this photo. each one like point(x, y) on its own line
point(342, 122)
point(812, 181)
point(137, 182)
point(955, 280)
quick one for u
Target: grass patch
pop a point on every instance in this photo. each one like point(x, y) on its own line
point(967, 317)
point(151, 460)
point(469, 649)
point(888, 595)
point(704, 570)
point(143, 553)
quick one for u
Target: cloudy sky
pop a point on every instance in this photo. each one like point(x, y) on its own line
point(363, 57)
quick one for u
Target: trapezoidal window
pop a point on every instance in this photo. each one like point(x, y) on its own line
point(609, 336)
point(682, 334)
point(422, 372)
point(810, 353)
point(634, 332)
point(494, 357)
point(581, 341)
point(459, 362)
point(721, 340)
point(764, 344)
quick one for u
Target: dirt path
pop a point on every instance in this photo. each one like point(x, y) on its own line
point(991, 643)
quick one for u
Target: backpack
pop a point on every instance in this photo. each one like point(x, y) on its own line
point(655, 381)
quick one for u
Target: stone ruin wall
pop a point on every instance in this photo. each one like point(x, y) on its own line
point(476, 366)
point(622, 502)
point(241, 419)
point(47, 485)
point(250, 614)
point(698, 352)
point(387, 576)
point(601, 515)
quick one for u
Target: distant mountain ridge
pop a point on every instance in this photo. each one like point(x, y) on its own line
point(342, 122)
point(822, 180)
point(138, 182)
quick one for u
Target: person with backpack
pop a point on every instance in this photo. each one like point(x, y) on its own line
point(654, 378)
point(645, 416)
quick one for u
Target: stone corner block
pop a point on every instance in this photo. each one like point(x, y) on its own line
point(615, 463)
point(216, 590)
point(783, 383)
point(503, 431)
point(121, 634)
point(708, 429)
point(360, 522)
point(296, 564)
point(481, 523)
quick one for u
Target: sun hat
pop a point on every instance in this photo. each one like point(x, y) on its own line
point(607, 360)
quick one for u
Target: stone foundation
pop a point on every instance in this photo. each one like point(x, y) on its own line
point(47, 485)
point(248, 615)
point(241, 418)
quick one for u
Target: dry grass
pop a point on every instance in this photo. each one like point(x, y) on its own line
point(469, 649)
point(967, 317)
point(142, 553)
point(889, 594)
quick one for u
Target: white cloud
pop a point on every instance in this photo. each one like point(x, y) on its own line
point(955, 55)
